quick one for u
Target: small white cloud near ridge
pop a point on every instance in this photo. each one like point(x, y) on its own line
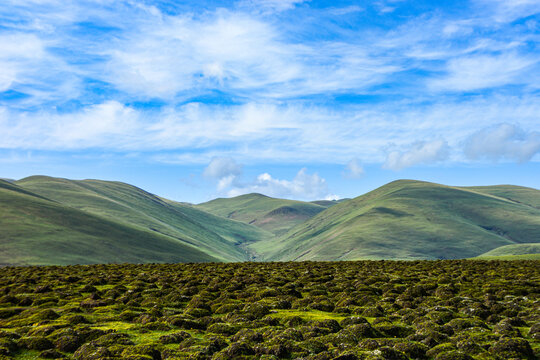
point(420, 152)
point(503, 141)
point(354, 169)
point(304, 186)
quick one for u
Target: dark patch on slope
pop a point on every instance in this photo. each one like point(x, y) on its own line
point(389, 211)
point(12, 187)
point(284, 210)
point(498, 231)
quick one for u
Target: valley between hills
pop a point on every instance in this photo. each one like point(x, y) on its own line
point(54, 221)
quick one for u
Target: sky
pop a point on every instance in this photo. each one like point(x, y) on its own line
point(193, 100)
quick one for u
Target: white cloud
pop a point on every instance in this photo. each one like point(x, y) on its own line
point(270, 6)
point(294, 133)
point(106, 125)
point(96, 124)
point(458, 28)
point(504, 11)
point(258, 63)
point(28, 67)
point(174, 54)
point(243, 54)
point(503, 141)
point(20, 52)
point(354, 169)
point(484, 71)
point(346, 10)
point(221, 167)
point(303, 186)
point(417, 153)
point(148, 53)
point(225, 170)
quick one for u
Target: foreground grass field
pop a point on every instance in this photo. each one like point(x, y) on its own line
point(326, 310)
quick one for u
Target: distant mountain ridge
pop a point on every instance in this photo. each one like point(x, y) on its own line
point(46, 220)
point(274, 215)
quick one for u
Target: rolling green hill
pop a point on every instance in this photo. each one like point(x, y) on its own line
point(220, 238)
point(274, 215)
point(46, 220)
point(509, 257)
point(412, 220)
point(328, 203)
point(36, 230)
point(517, 194)
point(517, 249)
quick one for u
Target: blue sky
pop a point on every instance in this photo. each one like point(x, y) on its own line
point(300, 99)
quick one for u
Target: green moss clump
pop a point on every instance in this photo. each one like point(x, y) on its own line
point(35, 343)
point(512, 348)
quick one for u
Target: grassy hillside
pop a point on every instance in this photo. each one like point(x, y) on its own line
point(134, 207)
point(509, 257)
point(327, 203)
point(274, 215)
point(36, 230)
point(517, 249)
point(47, 220)
point(236, 232)
point(517, 194)
point(410, 220)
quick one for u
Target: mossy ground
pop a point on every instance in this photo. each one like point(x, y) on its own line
point(310, 310)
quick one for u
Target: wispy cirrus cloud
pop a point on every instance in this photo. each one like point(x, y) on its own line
point(232, 81)
point(238, 54)
point(503, 11)
point(20, 52)
point(28, 67)
point(92, 127)
point(140, 52)
point(354, 169)
point(269, 6)
point(293, 133)
point(485, 71)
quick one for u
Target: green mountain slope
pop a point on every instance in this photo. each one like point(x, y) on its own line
point(328, 203)
point(517, 194)
point(410, 220)
point(47, 220)
point(274, 215)
point(509, 257)
point(35, 230)
point(517, 249)
point(127, 204)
